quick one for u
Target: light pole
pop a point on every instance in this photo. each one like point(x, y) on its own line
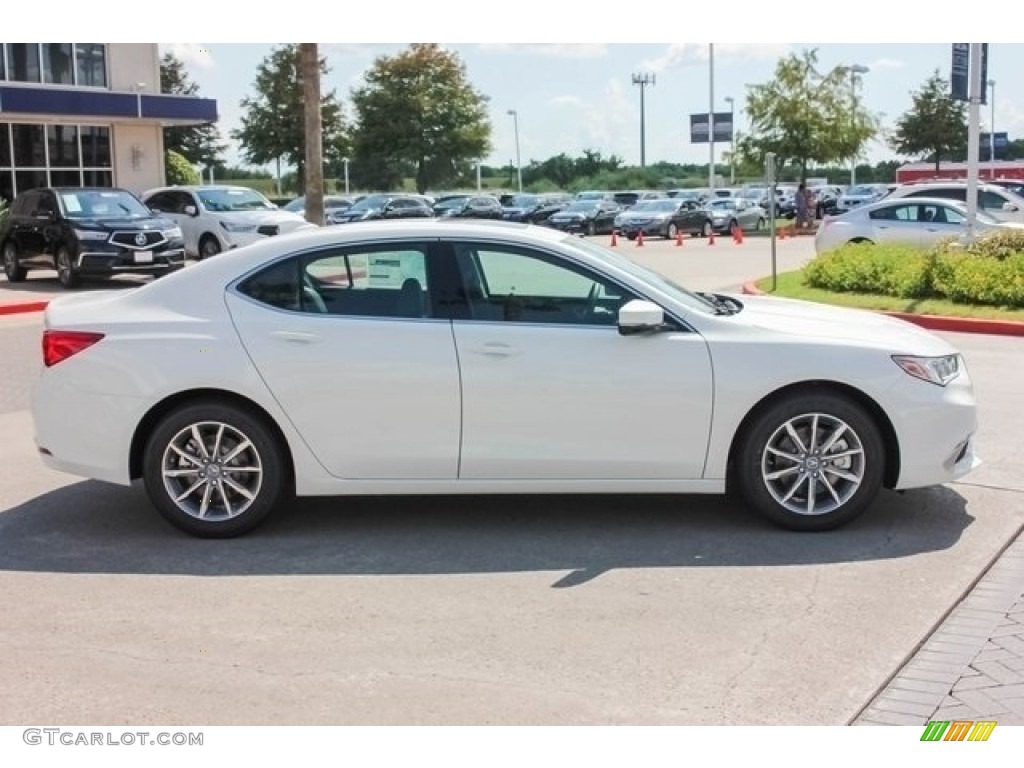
point(856, 69)
point(345, 161)
point(519, 162)
point(992, 131)
point(732, 139)
point(643, 80)
point(711, 118)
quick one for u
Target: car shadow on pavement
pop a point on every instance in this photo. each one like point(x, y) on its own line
point(92, 527)
point(45, 283)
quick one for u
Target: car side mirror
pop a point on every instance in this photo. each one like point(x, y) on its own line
point(191, 210)
point(640, 316)
point(1010, 208)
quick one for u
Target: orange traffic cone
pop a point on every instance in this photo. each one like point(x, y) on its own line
point(679, 238)
point(711, 237)
point(614, 241)
point(782, 233)
point(737, 235)
point(639, 238)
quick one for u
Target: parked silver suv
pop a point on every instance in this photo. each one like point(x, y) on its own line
point(994, 200)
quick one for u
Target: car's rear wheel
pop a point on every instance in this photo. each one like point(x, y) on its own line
point(14, 271)
point(214, 469)
point(208, 246)
point(66, 269)
point(811, 462)
point(672, 231)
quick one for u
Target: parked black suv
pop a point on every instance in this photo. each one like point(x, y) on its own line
point(87, 232)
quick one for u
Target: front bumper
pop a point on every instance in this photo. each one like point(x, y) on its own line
point(125, 261)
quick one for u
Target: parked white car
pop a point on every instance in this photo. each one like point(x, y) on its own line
point(908, 221)
point(447, 357)
point(997, 201)
point(219, 218)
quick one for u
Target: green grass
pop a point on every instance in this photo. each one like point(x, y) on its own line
point(790, 285)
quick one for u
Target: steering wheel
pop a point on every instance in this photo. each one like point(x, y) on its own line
point(311, 296)
point(586, 312)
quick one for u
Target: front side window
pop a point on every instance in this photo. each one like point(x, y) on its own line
point(895, 213)
point(507, 284)
point(990, 201)
point(385, 282)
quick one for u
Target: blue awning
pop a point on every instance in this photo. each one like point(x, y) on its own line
point(76, 103)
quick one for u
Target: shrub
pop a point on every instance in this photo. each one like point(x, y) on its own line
point(178, 170)
point(971, 279)
point(891, 270)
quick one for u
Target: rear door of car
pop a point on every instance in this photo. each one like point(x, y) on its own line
point(897, 223)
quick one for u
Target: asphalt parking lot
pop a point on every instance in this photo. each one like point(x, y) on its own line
point(544, 610)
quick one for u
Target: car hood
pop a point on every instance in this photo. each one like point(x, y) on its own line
point(857, 327)
point(286, 220)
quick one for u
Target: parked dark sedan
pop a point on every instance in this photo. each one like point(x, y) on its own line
point(591, 217)
point(469, 207)
point(534, 209)
point(667, 218)
point(384, 206)
point(87, 232)
point(333, 204)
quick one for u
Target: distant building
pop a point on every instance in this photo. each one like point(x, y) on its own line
point(1000, 169)
point(86, 114)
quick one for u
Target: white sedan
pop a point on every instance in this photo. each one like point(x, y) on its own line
point(918, 221)
point(442, 357)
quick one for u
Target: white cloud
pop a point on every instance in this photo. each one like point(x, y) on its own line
point(198, 55)
point(560, 50)
point(574, 101)
point(886, 64)
point(691, 54)
point(1009, 116)
point(346, 49)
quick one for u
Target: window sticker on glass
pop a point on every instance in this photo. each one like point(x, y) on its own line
point(71, 203)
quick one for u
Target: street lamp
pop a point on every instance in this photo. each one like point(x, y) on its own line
point(856, 69)
point(519, 162)
point(643, 80)
point(732, 139)
point(992, 131)
point(345, 161)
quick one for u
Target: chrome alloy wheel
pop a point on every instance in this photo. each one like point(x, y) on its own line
point(211, 471)
point(813, 464)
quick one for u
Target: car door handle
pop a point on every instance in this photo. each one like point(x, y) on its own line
point(297, 337)
point(496, 349)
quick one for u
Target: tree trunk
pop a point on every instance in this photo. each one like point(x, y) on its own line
point(938, 161)
point(309, 59)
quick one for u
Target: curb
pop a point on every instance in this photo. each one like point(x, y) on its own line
point(937, 322)
point(23, 306)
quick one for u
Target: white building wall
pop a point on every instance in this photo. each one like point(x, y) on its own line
point(134, 66)
point(138, 156)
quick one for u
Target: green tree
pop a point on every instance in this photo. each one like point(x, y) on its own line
point(199, 144)
point(935, 126)
point(417, 114)
point(805, 116)
point(178, 169)
point(273, 125)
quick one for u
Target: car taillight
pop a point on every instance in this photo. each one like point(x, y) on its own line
point(60, 345)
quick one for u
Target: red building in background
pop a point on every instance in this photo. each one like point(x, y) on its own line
point(1000, 169)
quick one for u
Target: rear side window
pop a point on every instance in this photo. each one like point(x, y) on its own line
point(950, 193)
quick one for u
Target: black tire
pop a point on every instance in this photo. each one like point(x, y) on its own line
point(732, 226)
point(706, 229)
point(208, 246)
point(591, 228)
point(267, 489)
point(755, 463)
point(760, 224)
point(672, 231)
point(862, 241)
point(14, 271)
point(66, 273)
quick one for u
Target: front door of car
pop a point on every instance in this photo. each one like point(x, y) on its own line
point(939, 222)
point(173, 204)
point(550, 389)
point(349, 344)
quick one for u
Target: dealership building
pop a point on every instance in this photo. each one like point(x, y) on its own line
point(86, 114)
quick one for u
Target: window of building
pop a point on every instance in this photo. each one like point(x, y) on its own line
point(34, 155)
point(81, 64)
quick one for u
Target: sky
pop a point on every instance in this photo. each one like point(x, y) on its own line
point(571, 96)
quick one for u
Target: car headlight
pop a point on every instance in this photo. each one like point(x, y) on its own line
point(937, 370)
point(231, 227)
point(91, 234)
point(174, 233)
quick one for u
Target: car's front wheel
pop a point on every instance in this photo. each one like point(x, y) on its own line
point(214, 469)
point(672, 232)
point(591, 228)
point(208, 246)
point(811, 462)
point(14, 271)
point(66, 269)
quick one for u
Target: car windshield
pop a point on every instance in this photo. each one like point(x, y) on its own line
point(862, 190)
point(582, 205)
point(226, 200)
point(591, 195)
point(523, 201)
point(661, 282)
point(656, 206)
point(102, 204)
point(371, 203)
point(451, 202)
point(298, 205)
point(756, 194)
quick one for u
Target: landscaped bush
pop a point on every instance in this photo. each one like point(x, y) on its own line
point(989, 271)
point(891, 270)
